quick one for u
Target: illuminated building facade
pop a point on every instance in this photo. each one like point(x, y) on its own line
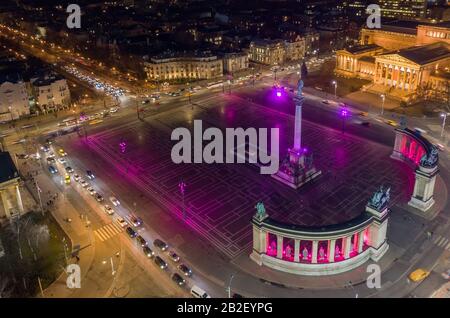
point(403, 9)
point(184, 67)
point(401, 64)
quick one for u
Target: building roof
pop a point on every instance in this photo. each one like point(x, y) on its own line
point(426, 54)
point(368, 59)
point(362, 48)
point(8, 170)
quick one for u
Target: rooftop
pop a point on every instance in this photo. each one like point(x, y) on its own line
point(362, 48)
point(426, 54)
point(8, 170)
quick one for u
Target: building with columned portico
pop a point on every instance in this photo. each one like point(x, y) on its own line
point(405, 61)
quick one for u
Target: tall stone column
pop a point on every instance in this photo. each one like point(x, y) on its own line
point(279, 246)
point(331, 250)
point(360, 241)
point(347, 246)
point(297, 251)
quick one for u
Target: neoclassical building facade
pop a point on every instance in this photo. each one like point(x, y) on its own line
point(400, 64)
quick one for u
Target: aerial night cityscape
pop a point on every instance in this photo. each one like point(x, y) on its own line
point(224, 149)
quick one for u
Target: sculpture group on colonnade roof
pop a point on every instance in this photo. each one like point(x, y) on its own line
point(430, 160)
point(380, 199)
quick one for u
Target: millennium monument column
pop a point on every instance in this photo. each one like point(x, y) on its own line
point(297, 168)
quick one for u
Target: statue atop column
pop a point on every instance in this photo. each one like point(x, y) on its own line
point(297, 167)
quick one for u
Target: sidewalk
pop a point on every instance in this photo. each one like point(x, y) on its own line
point(79, 234)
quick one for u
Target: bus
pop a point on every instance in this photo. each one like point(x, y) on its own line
point(214, 84)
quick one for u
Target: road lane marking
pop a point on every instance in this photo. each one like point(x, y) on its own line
point(108, 231)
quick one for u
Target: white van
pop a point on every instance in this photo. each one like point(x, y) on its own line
point(197, 292)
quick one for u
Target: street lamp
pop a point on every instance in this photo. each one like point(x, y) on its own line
point(444, 118)
point(229, 285)
point(335, 88)
point(344, 114)
point(383, 97)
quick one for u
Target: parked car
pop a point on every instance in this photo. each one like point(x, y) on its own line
point(180, 281)
point(160, 262)
point(76, 177)
point(160, 244)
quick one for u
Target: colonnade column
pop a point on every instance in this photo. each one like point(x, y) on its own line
point(279, 246)
point(360, 241)
point(331, 249)
point(297, 251)
point(347, 246)
point(314, 252)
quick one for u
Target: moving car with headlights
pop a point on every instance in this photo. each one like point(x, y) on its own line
point(67, 179)
point(76, 177)
point(52, 169)
point(114, 201)
point(62, 153)
point(90, 174)
point(109, 210)
point(122, 222)
point(197, 292)
point(419, 275)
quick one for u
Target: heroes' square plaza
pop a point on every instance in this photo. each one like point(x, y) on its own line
point(220, 199)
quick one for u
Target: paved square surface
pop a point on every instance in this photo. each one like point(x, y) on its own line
point(220, 198)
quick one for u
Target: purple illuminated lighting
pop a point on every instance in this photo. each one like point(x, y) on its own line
point(278, 94)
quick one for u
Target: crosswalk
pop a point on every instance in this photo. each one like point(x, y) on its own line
point(108, 231)
point(443, 242)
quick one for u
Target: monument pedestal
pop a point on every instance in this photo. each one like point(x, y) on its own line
point(422, 197)
point(297, 170)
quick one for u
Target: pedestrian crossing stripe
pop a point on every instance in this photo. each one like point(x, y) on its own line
point(106, 232)
point(442, 241)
